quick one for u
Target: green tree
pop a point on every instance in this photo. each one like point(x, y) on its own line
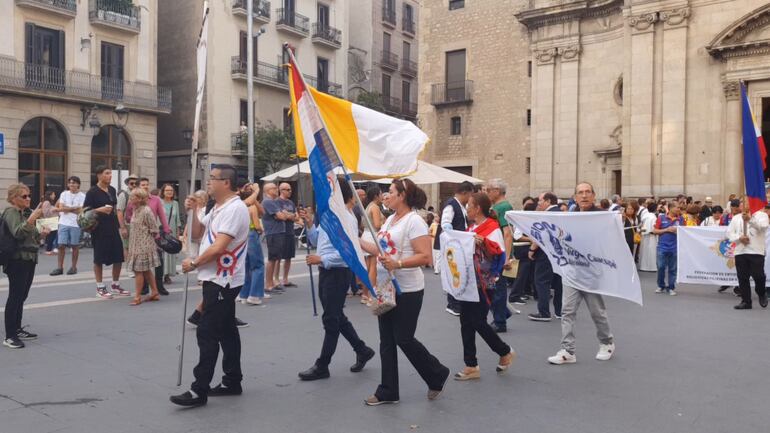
point(273, 148)
point(372, 100)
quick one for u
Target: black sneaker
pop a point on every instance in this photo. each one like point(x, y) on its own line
point(743, 306)
point(57, 271)
point(25, 335)
point(162, 290)
point(362, 359)
point(221, 390)
point(314, 373)
point(499, 329)
point(195, 319)
point(763, 301)
point(188, 400)
point(13, 343)
point(537, 317)
point(240, 323)
point(517, 300)
point(72, 271)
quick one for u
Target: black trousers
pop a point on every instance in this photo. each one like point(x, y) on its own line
point(524, 277)
point(397, 328)
point(473, 319)
point(452, 303)
point(332, 290)
point(217, 328)
point(20, 274)
point(750, 266)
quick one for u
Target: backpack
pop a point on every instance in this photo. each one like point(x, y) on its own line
point(8, 243)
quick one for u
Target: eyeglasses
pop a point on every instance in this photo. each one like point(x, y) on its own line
point(25, 196)
point(217, 178)
point(132, 184)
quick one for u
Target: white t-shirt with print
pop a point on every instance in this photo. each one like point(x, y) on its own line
point(392, 237)
point(68, 199)
point(232, 219)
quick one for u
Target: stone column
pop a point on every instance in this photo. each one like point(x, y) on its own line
point(638, 153)
point(566, 170)
point(732, 163)
point(541, 174)
point(674, 97)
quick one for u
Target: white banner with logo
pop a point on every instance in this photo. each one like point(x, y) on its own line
point(458, 276)
point(588, 250)
point(705, 256)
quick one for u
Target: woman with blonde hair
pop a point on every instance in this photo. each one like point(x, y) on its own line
point(20, 221)
point(143, 255)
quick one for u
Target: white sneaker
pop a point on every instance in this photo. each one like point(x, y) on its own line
point(562, 357)
point(605, 352)
point(267, 296)
point(252, 300)
point(659, 290)
point(672, 293)
point(238, 299)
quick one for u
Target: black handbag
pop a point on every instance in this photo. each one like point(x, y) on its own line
point(168, 242)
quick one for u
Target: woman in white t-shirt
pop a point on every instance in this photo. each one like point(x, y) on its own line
point(405, 240)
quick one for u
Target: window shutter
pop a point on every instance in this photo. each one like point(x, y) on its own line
point(29, 30)
point(61, 51)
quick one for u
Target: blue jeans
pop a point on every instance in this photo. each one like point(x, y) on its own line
point(667, 260)
point(255, 268)
point(499, 307)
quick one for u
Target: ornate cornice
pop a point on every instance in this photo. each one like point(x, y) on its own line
point(546, 56)
point(731, 42)
point(675, 17)
point(569, 53)
point(568, 11)
point(643, 22)
point(732, 89)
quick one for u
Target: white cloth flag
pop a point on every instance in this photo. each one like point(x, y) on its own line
point(588, 250)
point(458, 276)
point(705, 256)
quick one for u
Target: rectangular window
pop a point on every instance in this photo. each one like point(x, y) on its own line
point(287, 120)
point(407, 51)
point(406, 92)
point(323, 74)
point(386, 42)
point(529, 117)
point(455, 75)
point(244, 110)
point(527, 165)
point(529, 68)
point(243, 52)
point(289, 7)
point(456, 126)
point(112, 69)
point(323, 16)
point(385, 86)
point(456, 4)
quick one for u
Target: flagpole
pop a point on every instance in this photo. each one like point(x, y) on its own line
point(307, 237)
point(349, 180)
point(202, 47)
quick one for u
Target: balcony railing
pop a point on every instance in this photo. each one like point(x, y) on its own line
point(115, 14)
point(392, 105)
point(408, 26)
point(327, 35)
point(388, 16)
point(261, 9)
point(329, 87)
point(238, 142)
point(54, 83)
point(293, 22)
point(408, 68)
point(389, 60)
point(458, 92)
point(277, 76)
point(409, 109)
point(68, 8)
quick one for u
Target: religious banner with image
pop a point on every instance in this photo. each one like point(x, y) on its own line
point(458, 276)
point(588, 250)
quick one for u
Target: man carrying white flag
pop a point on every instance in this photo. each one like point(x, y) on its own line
point(590, 254)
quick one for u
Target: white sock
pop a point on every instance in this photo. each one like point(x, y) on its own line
point(100, 285)
point(115, 283)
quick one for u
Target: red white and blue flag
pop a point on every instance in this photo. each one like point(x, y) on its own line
point(754, 158)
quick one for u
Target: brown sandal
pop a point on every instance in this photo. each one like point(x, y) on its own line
point(152, 298)
point(136, 301)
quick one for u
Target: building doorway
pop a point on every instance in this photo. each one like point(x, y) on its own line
point(617, 182)
point(42, 157)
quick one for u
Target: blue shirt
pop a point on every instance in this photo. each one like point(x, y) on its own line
point(667, 241)
point(330, 258)
point(272, 225)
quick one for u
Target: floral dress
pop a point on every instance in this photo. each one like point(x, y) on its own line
point(142, 250)
point(174, 222)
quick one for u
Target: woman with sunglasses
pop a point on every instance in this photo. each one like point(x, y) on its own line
point(405, 240)
point(21, 222)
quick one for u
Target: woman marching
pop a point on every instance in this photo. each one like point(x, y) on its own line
point(143, 255)
point(171, 207)
point(488, 260)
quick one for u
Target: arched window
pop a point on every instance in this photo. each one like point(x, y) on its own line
point(108, 148)
point(42, 157)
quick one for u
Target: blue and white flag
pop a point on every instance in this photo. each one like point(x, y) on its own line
point(322, 156)
point(588, 250)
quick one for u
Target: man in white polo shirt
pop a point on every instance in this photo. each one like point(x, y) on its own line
point(223, 235)
point(69, 205)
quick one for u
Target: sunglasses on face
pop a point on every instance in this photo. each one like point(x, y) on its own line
point(25, 196)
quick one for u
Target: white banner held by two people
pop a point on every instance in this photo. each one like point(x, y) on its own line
point(706, 256)
point(588, 250)
point(458, 275)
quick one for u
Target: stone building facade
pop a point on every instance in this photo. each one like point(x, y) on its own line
point(382, 56)
point(641, 97)
point(65, 67)
point(477, 118)
point(318, 31)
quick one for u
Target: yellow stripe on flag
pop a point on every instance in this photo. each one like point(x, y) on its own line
point(338, 115)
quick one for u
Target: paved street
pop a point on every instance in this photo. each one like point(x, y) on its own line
point(684, 364)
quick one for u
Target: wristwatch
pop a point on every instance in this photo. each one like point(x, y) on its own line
point(400, 264)
point(194, 265)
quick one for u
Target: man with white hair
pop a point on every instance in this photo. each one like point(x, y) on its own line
point(617, 202)
point(496, 189)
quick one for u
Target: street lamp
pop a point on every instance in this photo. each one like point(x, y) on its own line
point(120, 119)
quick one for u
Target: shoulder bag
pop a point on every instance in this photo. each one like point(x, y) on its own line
point(388, 289)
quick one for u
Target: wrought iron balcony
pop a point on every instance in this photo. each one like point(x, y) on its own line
point(117, 15)
point(409, 109)
point(458, 92)
point(389, 60)
point(65, 8)
point(326, 35)
point(392, 105)
point(408, 26)
point(238, 142)
point(293, 23)
point(75, 86)
point(277, 76)
point(261, 9)
point(329, 87)
point(388, 16)
point(408, 68)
